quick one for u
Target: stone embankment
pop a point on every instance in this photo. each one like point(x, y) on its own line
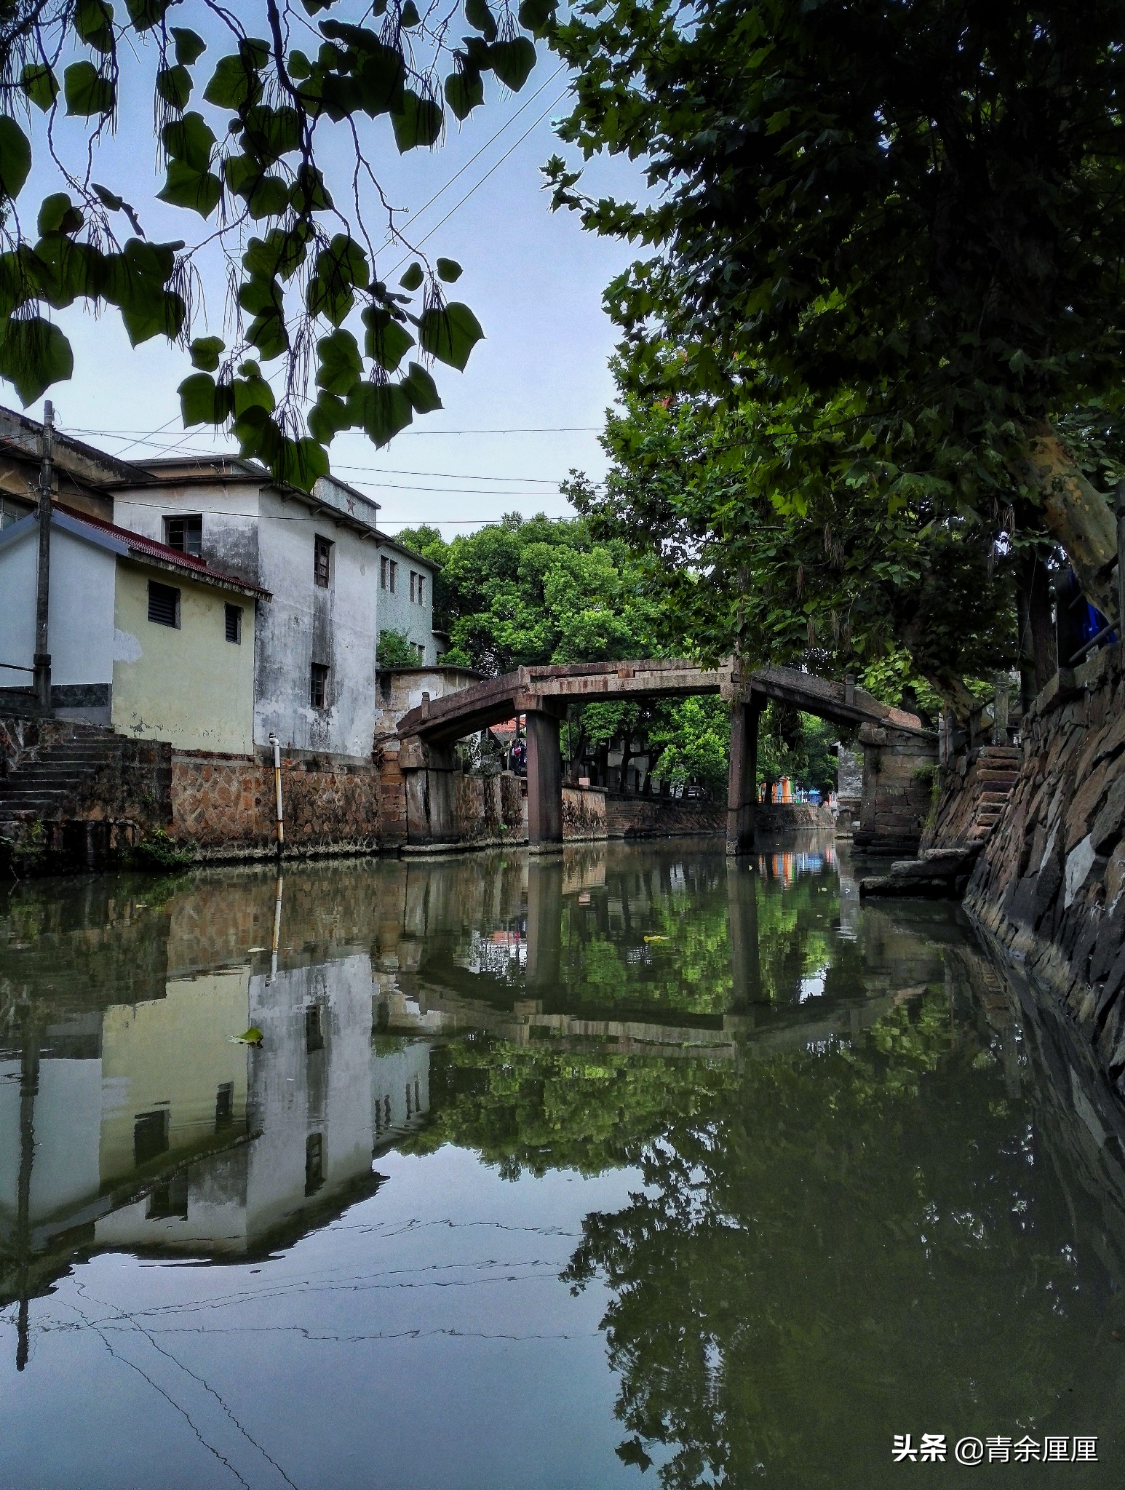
point(1049, 884)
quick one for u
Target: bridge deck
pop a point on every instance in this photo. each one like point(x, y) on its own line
point(550, 688)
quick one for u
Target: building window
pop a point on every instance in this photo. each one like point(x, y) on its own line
point(224, 1106)
point(163, 604)
point(170, 1202)
point(419, 651)
point(314, 1163)
point(185, 533)
point(314, 1033)
point(322, 561)
point(234, 623)
point(383, 572)
point(413, 583)
point(392, 574)
point(421, 589)
point(319, 692)
point(150, 1136)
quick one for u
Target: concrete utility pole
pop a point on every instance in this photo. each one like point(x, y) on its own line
point(42, 657)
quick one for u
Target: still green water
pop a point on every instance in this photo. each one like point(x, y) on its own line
point(629, 1166)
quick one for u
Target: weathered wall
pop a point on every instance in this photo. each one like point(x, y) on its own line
point(662, 817)
point(223, 806)
point(185, 683)
point(81, 620)
point(397, 612)
point(1050, 881)
point(584, 812)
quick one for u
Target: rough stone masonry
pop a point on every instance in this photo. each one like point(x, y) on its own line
point(1050, 881)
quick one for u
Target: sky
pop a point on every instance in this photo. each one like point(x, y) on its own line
point(532, 400)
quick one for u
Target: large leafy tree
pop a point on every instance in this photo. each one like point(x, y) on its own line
point(244, 107)
point(888, 233)
point(742, 562)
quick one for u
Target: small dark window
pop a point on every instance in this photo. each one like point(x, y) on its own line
point(163, 604)
point(314, 1163)
point(150, 1136)
point(185, 533)
point(224, 1106)
point(170, 1202)
point(314, 1033)
point(234, 623)
point(319, 690)
point(413, 583)
point(322, 561)
point(421, 589)
point(383, 573)
point(393, 571)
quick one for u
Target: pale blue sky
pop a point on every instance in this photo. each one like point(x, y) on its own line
point(534, 279)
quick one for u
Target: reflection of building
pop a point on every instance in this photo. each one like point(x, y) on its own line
point(150, 1124)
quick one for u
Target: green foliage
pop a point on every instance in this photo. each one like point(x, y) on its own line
point(156, 850)
point(874, 350)
point(394, 649)
point(246, 156)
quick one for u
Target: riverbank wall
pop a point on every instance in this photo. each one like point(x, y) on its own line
point(1049, 885)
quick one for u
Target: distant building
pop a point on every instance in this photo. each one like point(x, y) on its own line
point(329, 581)
point(335, 579)
point(151, 641)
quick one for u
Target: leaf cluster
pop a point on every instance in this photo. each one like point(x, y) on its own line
point(240, 126)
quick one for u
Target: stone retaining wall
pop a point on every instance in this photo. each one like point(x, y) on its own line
point(1050, 881)
point(972, 793)
point(662, 817)
point(583, 812)
point(223, 805)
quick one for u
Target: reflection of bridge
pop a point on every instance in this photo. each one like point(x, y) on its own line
point(543, 694)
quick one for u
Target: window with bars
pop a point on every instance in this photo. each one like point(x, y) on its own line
point(185, 533)
point(413, 584)
point(322, 561)
point(392, 571)
point(319, 689)
point(421, 589)
point(383, 563)
point(163, 604)
point(234, 623)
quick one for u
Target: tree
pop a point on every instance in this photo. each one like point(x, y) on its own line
point(887, 236)
point(739, 564)
point(537, 590)
point(304, 287)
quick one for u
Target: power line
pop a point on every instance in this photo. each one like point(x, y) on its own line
point(413, 216)
point(510, 151)
point(555, 429)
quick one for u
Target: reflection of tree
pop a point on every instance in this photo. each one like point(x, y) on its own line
point(534, 1109)
point(835, 1248)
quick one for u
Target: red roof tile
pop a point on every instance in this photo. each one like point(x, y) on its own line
point(199, 568)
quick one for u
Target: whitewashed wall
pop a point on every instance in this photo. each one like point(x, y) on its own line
point(81, 607)
point(398, 613)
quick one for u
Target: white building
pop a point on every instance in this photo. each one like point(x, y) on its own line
point(336, 583)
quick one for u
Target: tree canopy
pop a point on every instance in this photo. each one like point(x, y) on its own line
point(883, 277)
point(317, 340)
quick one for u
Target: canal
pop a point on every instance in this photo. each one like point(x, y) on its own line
point(623, 1167)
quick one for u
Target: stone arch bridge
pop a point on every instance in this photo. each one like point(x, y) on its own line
point(897, 749)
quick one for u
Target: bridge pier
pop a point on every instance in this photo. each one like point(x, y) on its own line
point(742, 776)
point(544, 778)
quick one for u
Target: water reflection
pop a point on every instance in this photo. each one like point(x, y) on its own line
point(804, 1175)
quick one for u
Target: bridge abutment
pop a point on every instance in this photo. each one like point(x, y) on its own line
point(429, 776)
point(897, 788)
